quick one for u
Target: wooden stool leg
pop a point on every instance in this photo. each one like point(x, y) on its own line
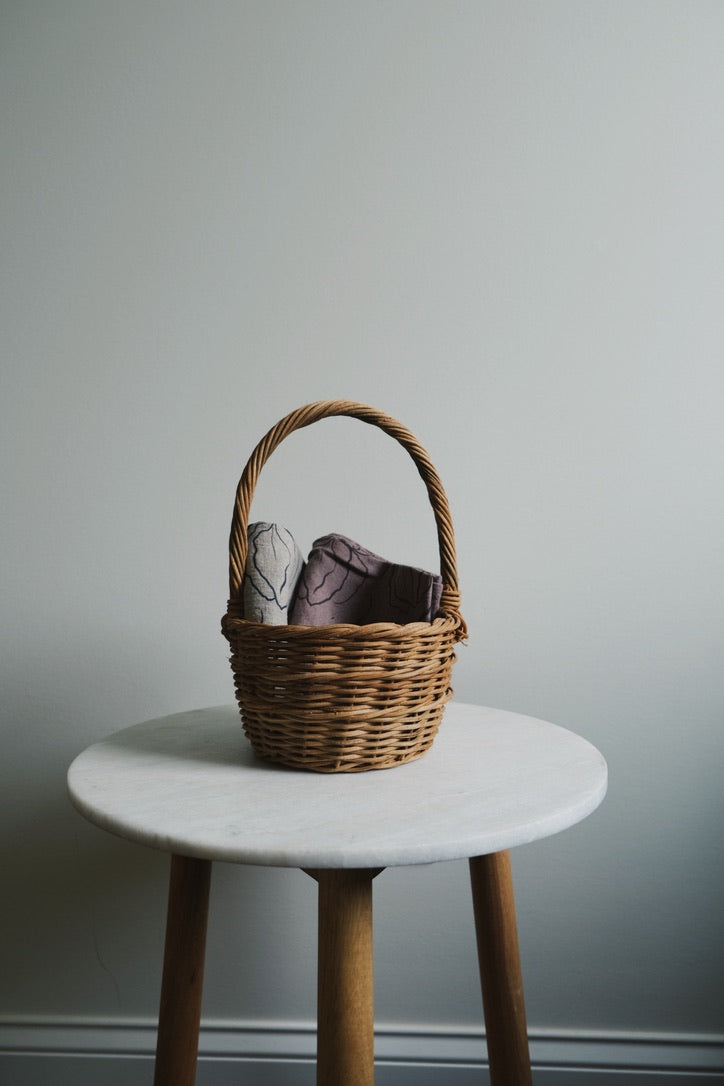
point(183, 972)
point(500, 972)
point(345, 1011)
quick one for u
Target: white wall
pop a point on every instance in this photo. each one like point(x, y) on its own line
point(500, 222)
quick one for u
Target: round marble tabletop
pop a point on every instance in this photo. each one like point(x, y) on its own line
point(190, 784)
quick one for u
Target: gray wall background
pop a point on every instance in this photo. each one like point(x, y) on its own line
point(502, 223)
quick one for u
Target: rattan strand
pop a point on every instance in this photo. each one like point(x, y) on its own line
point(342, 698)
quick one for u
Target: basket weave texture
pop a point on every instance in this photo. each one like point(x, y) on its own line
point(342, 698)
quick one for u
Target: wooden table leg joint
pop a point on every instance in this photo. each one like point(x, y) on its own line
point(345, 1003)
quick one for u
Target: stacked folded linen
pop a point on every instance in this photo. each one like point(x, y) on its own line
point(274, 564)
point(344, 582)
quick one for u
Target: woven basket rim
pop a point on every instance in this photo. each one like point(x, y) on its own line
point(346, 629)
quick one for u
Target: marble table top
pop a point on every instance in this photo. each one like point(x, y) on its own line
point(190, 784)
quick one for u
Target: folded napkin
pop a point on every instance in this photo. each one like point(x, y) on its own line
point(274, 563)
point(344, 582)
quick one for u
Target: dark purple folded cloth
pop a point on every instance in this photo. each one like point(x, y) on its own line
point(344, 582)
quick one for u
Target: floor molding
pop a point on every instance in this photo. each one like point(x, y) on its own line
point(67, 1051)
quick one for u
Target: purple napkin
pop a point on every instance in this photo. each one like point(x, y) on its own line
point(344, 582)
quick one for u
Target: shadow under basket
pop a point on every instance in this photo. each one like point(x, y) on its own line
point(342, 698)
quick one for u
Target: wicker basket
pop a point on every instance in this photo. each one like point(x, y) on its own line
point(342, 698)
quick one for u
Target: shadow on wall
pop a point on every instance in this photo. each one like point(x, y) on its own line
point(75, 899)
point(84, 912)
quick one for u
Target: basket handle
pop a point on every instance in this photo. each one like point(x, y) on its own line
point(305, 416)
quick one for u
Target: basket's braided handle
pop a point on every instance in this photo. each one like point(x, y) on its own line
point(305, 416)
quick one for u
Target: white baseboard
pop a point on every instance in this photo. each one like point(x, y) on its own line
point(120, 1053)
